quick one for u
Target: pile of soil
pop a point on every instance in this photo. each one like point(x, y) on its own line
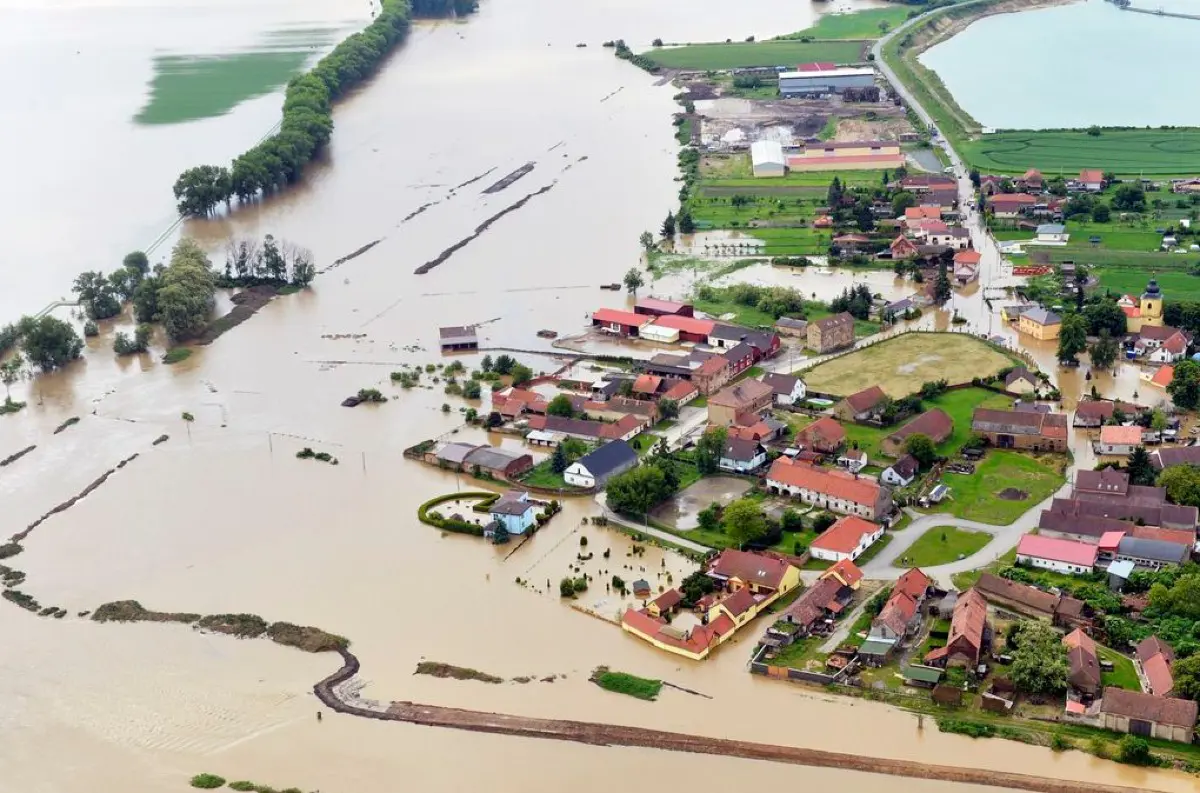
point(1012, 494)
point(437, 669)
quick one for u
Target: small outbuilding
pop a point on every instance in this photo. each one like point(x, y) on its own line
point(766, 158)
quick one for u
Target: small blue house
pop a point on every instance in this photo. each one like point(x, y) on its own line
point(514, 511)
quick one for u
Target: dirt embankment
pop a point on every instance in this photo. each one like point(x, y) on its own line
point(246, 304)
point(955, 21)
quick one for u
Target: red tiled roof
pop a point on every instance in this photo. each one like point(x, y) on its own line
point(825, 429)
point(838, 484)
point(913, 583)
point(917, 213)
point(847, 571)
point(712, 365)
point(1110, 540)
point(647, 384)
point(739, 602)
point(680, 391)
point(866, 399)
point(655, 304)
point(1151, 646)
point(752, 568)
point(1163, 376)
point(613, 316)
point(1129, 436)
point(685, 324)
point(817, 66)
point(856, 159)
point(1158, 675)
point(935, 423)
point(1012, 198)
point(896, 613)
point(668, 600)
point(845, 535)
point(1177, 536)
point(1091, 175)
point(810, 606)
point(967, 257)
point(966, 627)
point(1056, 550)
point(741, 395)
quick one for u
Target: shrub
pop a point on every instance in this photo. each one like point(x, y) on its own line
point(1059, 742)
point(968, 728)
point(207, 781)
point(177, 354)
point(242, 785)
point(566, 588)
point(1134, 750)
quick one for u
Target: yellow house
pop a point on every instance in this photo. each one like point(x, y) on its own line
point(749, 582)
point(1040, 324)
point(846, 572)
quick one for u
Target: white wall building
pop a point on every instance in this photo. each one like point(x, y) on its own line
point(766, 158)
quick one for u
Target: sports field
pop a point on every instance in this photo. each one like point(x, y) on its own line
point(759, 53)
point(899, 366)
point(1154, 152)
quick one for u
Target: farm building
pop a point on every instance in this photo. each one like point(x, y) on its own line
point(766, 158)
point(623, 323)
point(824, 81)
point(852, 155)
point(656, 307)
point(688, 328)
point(1148, 715)
point(1061, 556)
point(454, 338)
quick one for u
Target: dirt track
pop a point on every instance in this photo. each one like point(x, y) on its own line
point(616, 735)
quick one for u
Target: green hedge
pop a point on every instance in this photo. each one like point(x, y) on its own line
point(486, 499)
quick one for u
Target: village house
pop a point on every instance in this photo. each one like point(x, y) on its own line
point(1149, 716)
point(594, 469)
point(1094, 413)
point(845, 571)
point(903, 248)
point(1008, 206)
point(624, 429)
point(934, 423)
point(966, 266)
point(926, 212)
point(1083, 667)
point(925, 182)
point(860, 406)
point(1118, 441)
point(1081, 528)
point(1052, 234)
point(740, 357)
point(1151, 554)
point(646, 386)
point(665, 604)
point(1039, 323)
point(788, 326)
point(742, 456)
point(1091, 180)
point(514, 511)
point(652, 306)
point(830, 489)
point(1031, 181)
point(853, 460)
point(902, 472)
point(787, 388)
point(1009, 429)
point(749, 396)
point(763, 343)
point(901, 614)
point(1061, 610)
point(817, 606)
point(681, 392)
point(968, 635)
point(1176, 455)
point(1160, 377)
point(457, 338)
point(1140, 505)
point(1061, 556)
point(824, 435)
point(1173, 350)
point(847, 538)
point(1154, 658)
point(1020, 381)
point(831, 333)
point(748, 583)
point(955, 238)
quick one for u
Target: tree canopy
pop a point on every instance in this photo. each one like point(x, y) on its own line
point(921, 447)
point(1184, 387)
point(744, 521)
point(1105, 351)
point(1182, 483)
point(184, 297)
point(1072, 337)
point(1039, 658)
point(48, 342)
point(638, 489)
point(560, 406)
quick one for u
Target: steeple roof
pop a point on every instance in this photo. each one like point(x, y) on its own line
point(1152, 290)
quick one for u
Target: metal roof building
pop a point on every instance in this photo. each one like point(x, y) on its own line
point(766, 158)
point(825, 82)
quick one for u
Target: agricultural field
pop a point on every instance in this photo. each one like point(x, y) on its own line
point(743, 55)
point(899, 366)
point(1150, 153)
point(1132, 280)
point(1004, 486)
point(867, 24)
point(959, 405)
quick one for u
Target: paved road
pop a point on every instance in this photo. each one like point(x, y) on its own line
point(666, 536)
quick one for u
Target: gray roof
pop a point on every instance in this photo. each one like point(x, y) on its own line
point(492, 457)
point(1184, 455)
point(780, 383)
point(511, 506)
point(741, 450)
point(608, 458)
point(456, 452)
point(1154, 550)
point(789, 322)
point(1051, 228)
point(739, 351)
point(458, 335)
point(1042, 316)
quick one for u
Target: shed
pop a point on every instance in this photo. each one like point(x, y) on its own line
point(766, 158)
point(455, 337)
point(921, 676)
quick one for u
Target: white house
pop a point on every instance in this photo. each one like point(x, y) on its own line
point(1062, 556)
point(1119, 441)
point(788, 389)
point(902, 472)
point(848, 538)
point(595, 468)
point(853, 460)
point(766, 158)
point(1173, 350)
point(1052, 234)
point(742, 456)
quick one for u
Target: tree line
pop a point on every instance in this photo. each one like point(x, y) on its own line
point(307, 123)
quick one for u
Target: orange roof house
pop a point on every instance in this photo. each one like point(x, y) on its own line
point(913, 583)
point(647, 384)
point(845, 571)
point(967, 257)
point(824, 435)
point(830, 488)
point(1162, 378)
point(923, 213)
point(846, 539)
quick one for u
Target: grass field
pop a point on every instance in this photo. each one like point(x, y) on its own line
point(759, 53)
point(943, 544)
point(958, 404)
point(857, 25)
point(1154, 152)
point(976, 496)
point(752, 316)
point(899, 366)
point(191, 87)
point(1123, 674)
point(1131, 280)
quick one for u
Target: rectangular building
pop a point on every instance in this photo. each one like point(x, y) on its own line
point(825, 81)
point(766, 158)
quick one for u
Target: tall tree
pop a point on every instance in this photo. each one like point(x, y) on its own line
point(709, 448)
point(686, 224)
point(744, 521)
point(96, 295)
point(1105, 315)
point(633, 280)
point(560, 406)
point(185, 293)
point(1184, 387)
point(1072, 337)
point(941, 288)
point(921, 447)
point(1182, 483)
point(668, 225)
point(1140, 468)
point(10, 373)
point(1105, 351)
point(49, 343)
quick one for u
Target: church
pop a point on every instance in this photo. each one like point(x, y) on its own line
point(1144, 312)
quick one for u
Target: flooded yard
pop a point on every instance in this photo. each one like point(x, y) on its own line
point(682, 510)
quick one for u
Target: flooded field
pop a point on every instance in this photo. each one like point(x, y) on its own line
point(682, 510)
point(222, 517)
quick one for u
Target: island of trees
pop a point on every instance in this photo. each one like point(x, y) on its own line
point(307, 123)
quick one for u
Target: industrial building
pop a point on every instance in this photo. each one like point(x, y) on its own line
point(846, 155)
point(832, 81)
point(766, 158)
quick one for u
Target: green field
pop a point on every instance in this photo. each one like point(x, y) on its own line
point(976, 496)
point(856, 25)
point(191, 87)
point(958, 404)
point(942, 544)
point(1132, 280)
point(752, 54)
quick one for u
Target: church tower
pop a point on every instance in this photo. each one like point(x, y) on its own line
point(1152, 305)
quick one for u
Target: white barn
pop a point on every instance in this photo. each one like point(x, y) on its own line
point(766, 158)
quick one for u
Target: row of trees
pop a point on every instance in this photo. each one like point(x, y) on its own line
point(856, 300)
point(249, 263)
point(307, 122)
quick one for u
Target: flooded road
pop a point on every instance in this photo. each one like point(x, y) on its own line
point(223, 518)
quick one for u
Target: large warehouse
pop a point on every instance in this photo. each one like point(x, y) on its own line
point(830, 81)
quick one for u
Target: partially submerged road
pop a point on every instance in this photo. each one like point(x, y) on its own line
point(329, 691)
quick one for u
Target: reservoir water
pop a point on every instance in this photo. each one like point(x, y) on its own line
point(1072, 66)
point(223, 518)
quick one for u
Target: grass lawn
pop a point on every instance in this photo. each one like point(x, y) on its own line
point(856, 25)
point(541, 475)
point(901, 365)
point(798, 654)
point(759, 53)
point(1130, 280)
point(943, 544)
point(975, 496)
point(958, 404)
point(1123, 674)
point(964, 581)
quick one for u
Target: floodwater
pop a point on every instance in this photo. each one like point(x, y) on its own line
point(1022, 92)
point(682, 510)
point(223, 518)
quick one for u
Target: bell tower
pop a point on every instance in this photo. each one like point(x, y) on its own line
point(1151, 305)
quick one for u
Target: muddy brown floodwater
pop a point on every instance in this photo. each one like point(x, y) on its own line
point(223, 518)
